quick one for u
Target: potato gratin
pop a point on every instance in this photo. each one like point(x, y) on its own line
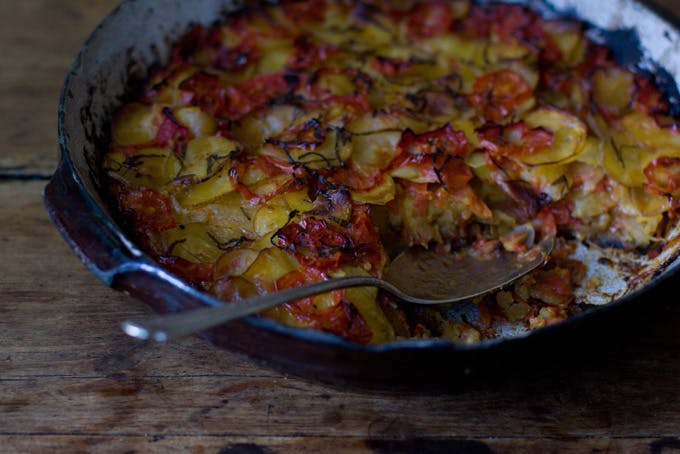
point(306, 140)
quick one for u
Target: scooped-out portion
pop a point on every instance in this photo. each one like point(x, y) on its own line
point(306, 140)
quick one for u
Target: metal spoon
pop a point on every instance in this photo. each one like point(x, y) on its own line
point(416, 276)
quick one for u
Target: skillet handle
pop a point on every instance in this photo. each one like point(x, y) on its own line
point(109, 256)
point(85, 227)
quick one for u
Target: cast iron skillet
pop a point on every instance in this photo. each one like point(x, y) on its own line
point(135, 36)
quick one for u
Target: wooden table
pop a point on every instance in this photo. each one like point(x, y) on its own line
point(71, 381)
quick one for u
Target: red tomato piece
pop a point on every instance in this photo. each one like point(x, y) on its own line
point(500, 20)
point(205, 90)
point(341, 318)
point(151, 210)
point(198, 274)
point(170, 132)
point(441, 140)
point(304, 10)
point(390, 66)
point(430, 18)
point(254, 93)
point(515, 139)
point(368, 246)
point(307, 54)
point(317, 243)
point(454, 173)
point(437, 153)
point(498, 94)
point(647, 96)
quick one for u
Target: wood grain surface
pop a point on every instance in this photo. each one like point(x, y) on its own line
point(70, 381)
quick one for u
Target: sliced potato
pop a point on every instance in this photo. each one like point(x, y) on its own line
point(643, 129)
point(365, 300)
point(550, 179)
point(375, 150)
point(205, 155)
point(469, 50)
point(270, 185)
point(613, 89)
point(298, 201)
point(200, 123)
point(149, 167)
point(592, 152)
point(258, 126)
point(271, 264)
point(412, 173)
point(270, 218)
point(624, 163)
point(210, 189)
point(569, 136)
point(192, 242)
point(334, 151)
point(477, 162)
point(136, 124)
point(235, 262)
point(275, 54)
point(570, 39)
point(379, 194)
point(590, 204)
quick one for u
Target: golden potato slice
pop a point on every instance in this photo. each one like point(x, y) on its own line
point(205, 155)
point(270, 218)
point(569, 136)
point(192, 242)
point(298, 201)
point(613, 89)
point(375, 150)
point(200, 123)
point(624, 162)
point(210, 189)
point(270, 265)
point(149, 167)
point(258, 126)
point(379, 194)
point(235, 262)
point(643, 129)
point(135, 124)
point(275, 54)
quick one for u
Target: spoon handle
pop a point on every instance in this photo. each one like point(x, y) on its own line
point(166, 327)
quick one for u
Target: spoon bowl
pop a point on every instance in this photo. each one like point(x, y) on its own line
point(416, 276)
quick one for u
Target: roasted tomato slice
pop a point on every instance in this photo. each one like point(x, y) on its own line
point(316, 242)
point(205, 90)
point(507, 22)
point(497, 95)
point(251, 94)
point(443, 140)
point(198, 274)
point(307, 54)
point(429, 18)
point(515, 139)
point(171, 133)
point(150, 210)
point(437, 154)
